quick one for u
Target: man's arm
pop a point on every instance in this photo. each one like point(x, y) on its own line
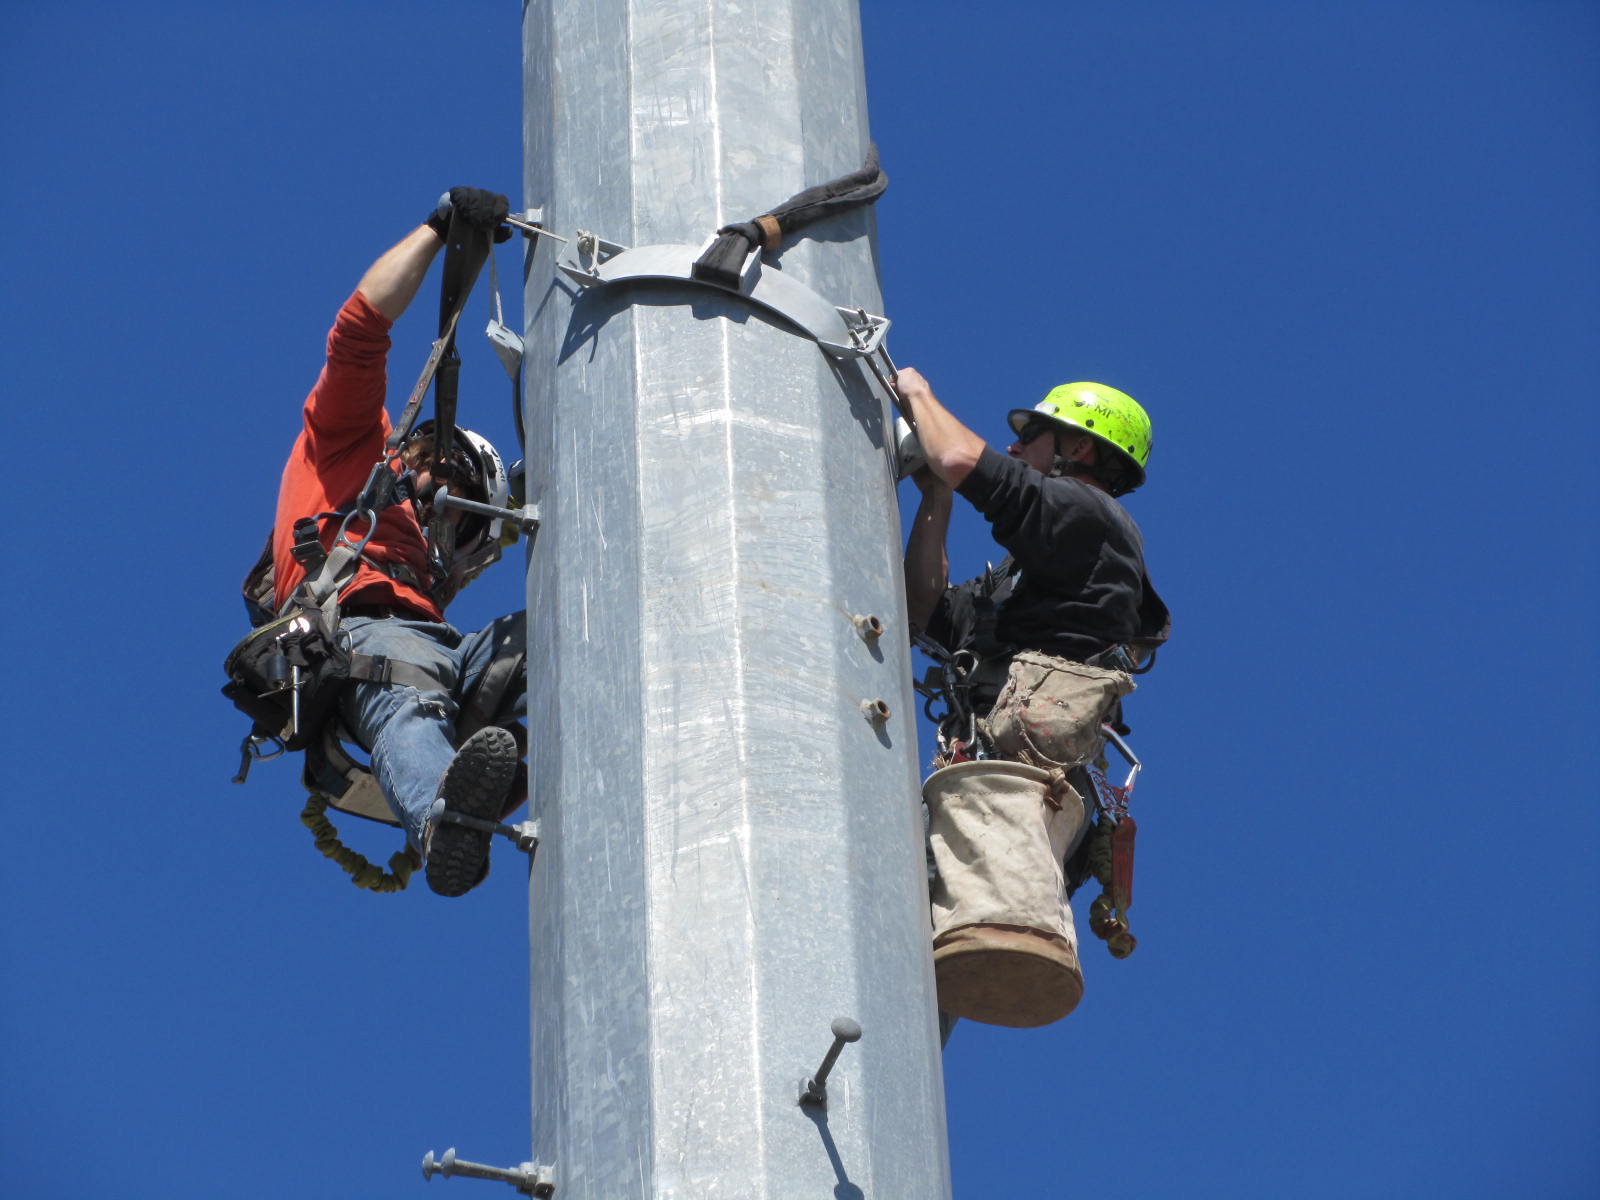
point(391, 283)
point(951, 447)
point(927, 566)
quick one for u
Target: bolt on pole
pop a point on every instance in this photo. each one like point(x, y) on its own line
point(723, 764)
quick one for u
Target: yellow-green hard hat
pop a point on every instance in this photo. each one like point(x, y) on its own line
point(1111, 417)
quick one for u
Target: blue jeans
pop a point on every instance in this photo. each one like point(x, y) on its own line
point(410, 733)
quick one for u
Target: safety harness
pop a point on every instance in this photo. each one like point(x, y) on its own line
point(288, 672)
point(1136, 656)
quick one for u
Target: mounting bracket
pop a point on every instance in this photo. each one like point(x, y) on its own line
point(590, 260)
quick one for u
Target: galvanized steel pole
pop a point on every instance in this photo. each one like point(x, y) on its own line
point(731, 854)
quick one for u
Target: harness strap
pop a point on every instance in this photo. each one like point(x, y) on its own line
point(994, 591)
point(322, 590)
point(399, 572)
point(379, 668)
point(487, 697)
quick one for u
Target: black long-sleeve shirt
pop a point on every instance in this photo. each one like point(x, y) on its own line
point(1075, 581)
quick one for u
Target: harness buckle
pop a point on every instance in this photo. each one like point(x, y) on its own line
point(307, 548)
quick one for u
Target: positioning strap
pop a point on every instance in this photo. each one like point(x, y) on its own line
point(466, 247)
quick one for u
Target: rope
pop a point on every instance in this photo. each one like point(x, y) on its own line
point(362, 873)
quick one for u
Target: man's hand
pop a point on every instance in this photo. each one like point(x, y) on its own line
point(477, 207)
point(951, 447)
point(909, 382)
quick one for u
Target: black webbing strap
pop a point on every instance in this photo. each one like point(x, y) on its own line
point(723, 260)
point(504, 677)
point(398, 571)
point(377, 668)
point(466, 248)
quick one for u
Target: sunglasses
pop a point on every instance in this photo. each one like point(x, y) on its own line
point(1033, 427)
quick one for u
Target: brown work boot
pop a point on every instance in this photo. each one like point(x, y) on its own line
point(1006, 975)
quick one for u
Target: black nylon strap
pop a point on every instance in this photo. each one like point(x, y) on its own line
point(835, 196)
point(378, 668)
point(466, 248)
point(493, 685)
point(397, 571)
point(724, 259)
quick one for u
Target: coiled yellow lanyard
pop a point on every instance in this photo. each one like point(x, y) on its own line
point(362, 872)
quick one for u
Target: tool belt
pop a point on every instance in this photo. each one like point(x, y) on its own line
point(286, 676)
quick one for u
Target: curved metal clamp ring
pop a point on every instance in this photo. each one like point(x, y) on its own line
point(842, 332)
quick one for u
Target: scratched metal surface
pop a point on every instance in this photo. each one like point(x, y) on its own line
point(731, 851)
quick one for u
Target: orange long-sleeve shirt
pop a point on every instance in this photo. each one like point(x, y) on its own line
point(344, 432)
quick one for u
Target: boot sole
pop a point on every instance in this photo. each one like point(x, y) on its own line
point(475, 784)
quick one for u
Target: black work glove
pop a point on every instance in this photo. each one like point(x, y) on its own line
point(486, 210)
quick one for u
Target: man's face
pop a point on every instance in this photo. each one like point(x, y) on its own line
point(425, 490)
point(1036, 445)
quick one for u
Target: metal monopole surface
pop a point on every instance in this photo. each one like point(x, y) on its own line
point(723, 749)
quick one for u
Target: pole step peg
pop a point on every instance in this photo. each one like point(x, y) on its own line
point(525, 518)
point(815, 1089)
point(531, 1179)
point(525, 835)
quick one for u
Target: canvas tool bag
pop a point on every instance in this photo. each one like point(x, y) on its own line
point(1004, 948)
point(1050, 711)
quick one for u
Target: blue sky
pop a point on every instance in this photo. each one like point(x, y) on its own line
point(1346, 253)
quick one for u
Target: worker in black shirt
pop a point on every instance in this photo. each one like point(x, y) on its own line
point(1054, 631)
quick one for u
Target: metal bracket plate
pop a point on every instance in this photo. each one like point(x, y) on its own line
point(589, 260)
